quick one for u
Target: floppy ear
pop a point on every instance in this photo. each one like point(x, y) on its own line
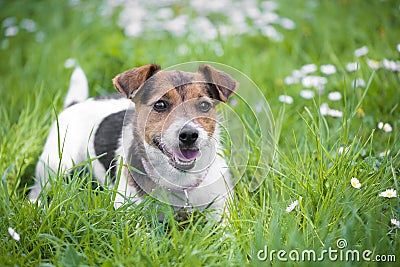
point(222, 84)
point(129, 81)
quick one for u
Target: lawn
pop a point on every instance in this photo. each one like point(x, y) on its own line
point(321, 176)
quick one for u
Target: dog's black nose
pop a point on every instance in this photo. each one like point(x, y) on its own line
point(188, 135)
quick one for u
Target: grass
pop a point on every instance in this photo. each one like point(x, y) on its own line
point(79, 227)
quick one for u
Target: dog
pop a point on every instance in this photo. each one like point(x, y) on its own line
point(161, 128)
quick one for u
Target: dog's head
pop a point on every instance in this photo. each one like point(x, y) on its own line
point(176, 118)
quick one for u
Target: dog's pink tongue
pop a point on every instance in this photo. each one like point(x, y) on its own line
point(188, 155)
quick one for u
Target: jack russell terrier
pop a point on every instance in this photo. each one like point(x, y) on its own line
point(162, 130)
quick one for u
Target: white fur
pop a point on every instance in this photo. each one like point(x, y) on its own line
point(78, 90)
point(163, 173)
point(77, 126)
point(214, 188)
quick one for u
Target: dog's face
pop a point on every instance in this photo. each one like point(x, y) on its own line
point(176, 119)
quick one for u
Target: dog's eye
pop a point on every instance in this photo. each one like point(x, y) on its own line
point(204, 106)
point(161, 106)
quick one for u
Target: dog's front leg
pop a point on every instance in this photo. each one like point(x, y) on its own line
point(126, 190)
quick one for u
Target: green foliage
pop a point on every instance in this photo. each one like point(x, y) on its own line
point(76, 225)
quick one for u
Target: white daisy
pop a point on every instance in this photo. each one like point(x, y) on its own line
point(286, 99)
point(313, 81)
point(328, 69)
point(28, 25)
point(391, 65)
point(309, 68)
point(292, 206)
point(287, 24)
point(272, 33)
point(289, 80)
point(269, 5)
point(389, 193)
point(13, 234)
point(361, 51)
point(334, 96)
point(307, 94)
point(11, 31)
point(384, 153)
point(297, 74)
point(373, 64)
point(352, 66)
point(335, 113)
point(324, 109)
point(10, 21)
point(359, 82)
point(355, 183)
point(395, 222)
point(386, 127)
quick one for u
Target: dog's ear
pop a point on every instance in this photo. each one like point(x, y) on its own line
point(221, 83)
point(129, 81)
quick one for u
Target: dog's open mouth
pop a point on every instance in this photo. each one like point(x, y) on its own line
point(182, 159)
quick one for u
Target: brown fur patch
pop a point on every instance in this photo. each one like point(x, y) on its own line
point(129, 81)
point(187, 92)
point(208, 124)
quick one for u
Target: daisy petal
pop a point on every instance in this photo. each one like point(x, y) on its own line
point(355, 183)
point(13, 234)
point(395, 222)
point(389, 193)
point(292, 206)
